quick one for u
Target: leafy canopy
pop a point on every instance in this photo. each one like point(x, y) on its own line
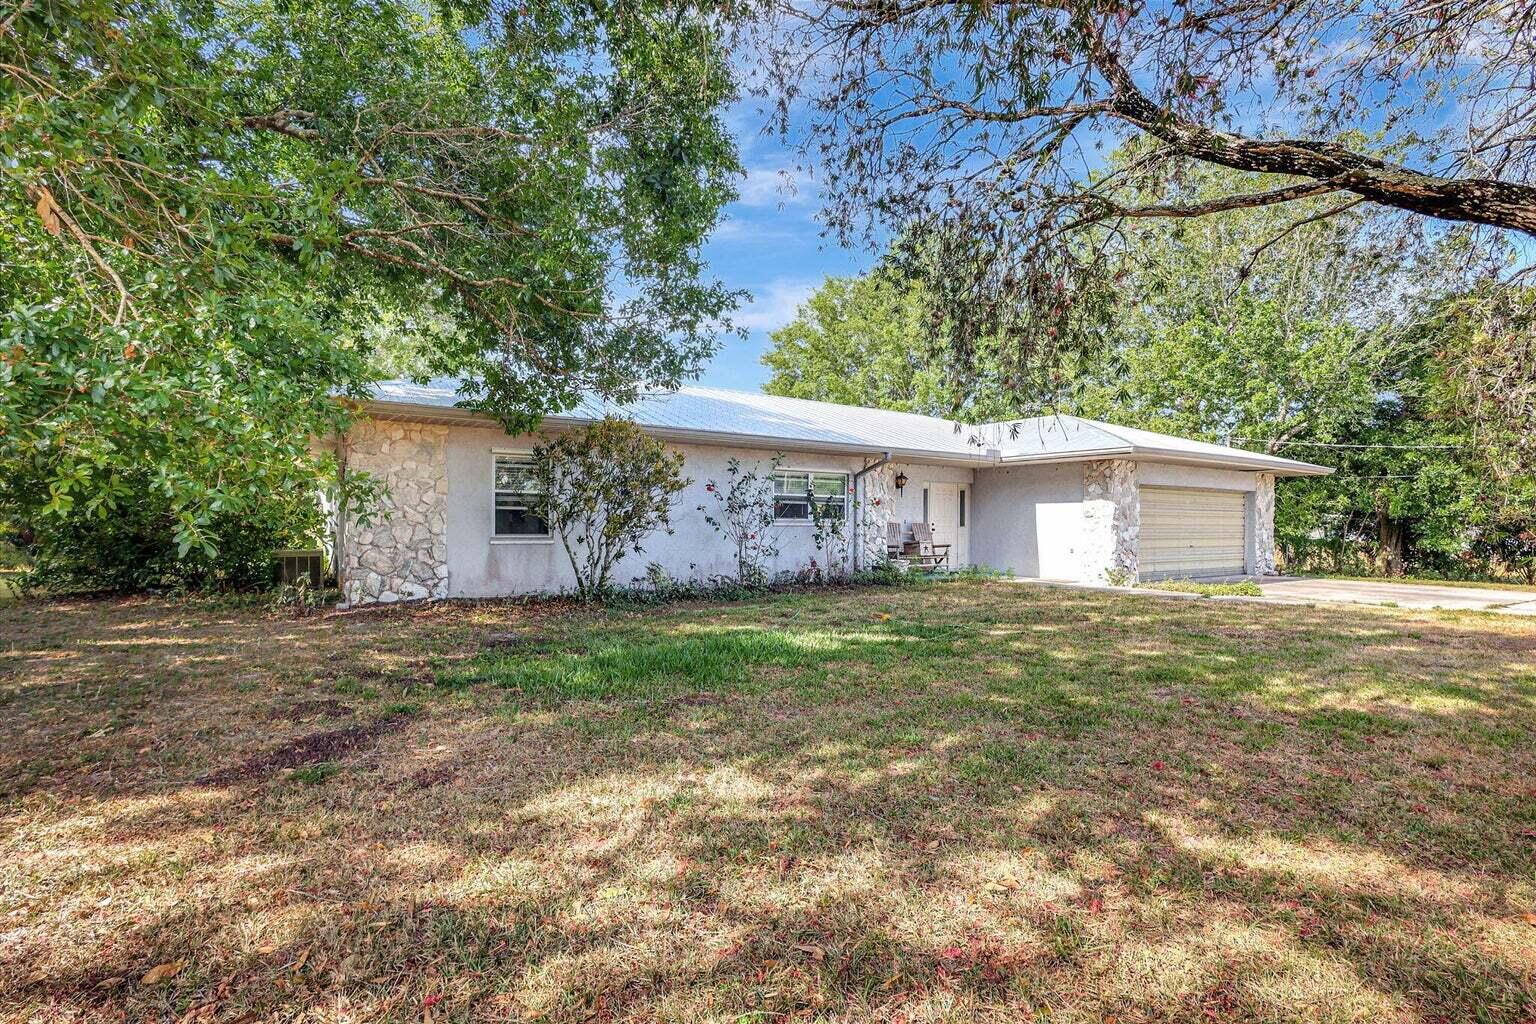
point(205, 206)
point(977, 135)
point(862, 341)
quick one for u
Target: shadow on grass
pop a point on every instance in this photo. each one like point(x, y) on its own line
point(975, 810)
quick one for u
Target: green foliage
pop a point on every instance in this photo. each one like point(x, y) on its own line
point(743, 513)
point(605, 487)
point(133, 547)
point(1345, 341)
point(208, 211)
point(863, 341)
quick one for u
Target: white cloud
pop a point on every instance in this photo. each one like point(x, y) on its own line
point(737, 229)
point(775, 186)
point(775, 304)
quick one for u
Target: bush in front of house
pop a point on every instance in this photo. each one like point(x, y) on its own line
point(604, 487)
point(743, 513)
point(133, 547)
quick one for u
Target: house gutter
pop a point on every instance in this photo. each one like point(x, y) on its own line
point(858, 519)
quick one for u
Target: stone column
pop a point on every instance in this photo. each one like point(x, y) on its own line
point(873, 508)
point(401, 552)
point(1261, 559)
point(1111, 522)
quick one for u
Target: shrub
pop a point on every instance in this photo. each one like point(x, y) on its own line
point(605, 487)
point(134, 546)
point(743, 514)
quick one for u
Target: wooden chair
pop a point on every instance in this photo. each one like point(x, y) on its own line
point(929, 554)
point(893, 544)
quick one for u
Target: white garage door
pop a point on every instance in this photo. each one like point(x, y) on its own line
point(1187, 532)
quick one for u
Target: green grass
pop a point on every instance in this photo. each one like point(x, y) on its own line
point(739, 659)
point(960, 802)
point(1245, 588)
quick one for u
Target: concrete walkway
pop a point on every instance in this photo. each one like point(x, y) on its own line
point(1404, 595)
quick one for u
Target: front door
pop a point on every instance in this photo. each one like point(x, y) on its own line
point(944, 517)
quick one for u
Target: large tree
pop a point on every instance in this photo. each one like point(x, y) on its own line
point(204, 205)
point(863, 341)
point(976, 132)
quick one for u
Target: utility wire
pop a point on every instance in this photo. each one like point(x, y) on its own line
point(1328, 444)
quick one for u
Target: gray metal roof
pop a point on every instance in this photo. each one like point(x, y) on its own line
point(737, 417)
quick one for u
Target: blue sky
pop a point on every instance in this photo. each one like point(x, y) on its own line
point(770, 246)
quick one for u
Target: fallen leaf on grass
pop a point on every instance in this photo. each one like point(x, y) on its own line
point(163, 972)
point(815, 952)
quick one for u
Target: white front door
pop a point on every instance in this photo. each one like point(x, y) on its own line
point(944, 517)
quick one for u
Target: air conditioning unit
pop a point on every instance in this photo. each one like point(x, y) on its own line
point(295, 564)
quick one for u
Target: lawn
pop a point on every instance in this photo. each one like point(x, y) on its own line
point(963, 801)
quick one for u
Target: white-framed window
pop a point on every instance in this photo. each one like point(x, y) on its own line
point(796, 490)
point(515, 493)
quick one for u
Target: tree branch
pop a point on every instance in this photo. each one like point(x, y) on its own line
point(1477, 200)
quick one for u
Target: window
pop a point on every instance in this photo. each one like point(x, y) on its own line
point(794, 491)
point(962, 506)
point(516, 492)
point(925, 504)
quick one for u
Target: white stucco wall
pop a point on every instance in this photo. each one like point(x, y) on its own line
point(1164, 474)
point(1037, 521)
point(1027, 519)
point(482, 565)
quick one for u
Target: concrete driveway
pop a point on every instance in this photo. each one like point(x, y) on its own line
point(1404, 595)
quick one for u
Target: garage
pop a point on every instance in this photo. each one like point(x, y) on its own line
point(1190, 532)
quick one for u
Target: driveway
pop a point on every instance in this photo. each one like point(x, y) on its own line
point(1404, 595)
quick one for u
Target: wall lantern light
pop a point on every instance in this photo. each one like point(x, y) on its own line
point(901, 481)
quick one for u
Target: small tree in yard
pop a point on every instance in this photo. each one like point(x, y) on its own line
point(605, 487)
point(743, 514)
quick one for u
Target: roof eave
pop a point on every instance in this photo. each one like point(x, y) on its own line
point(1237, 460)
point(386, 408)
point(1051, 458)
point(1280, 467)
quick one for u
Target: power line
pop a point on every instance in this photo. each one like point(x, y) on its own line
point(1328, 444)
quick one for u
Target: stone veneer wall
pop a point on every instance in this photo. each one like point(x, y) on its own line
point(402, 553)
point(877, 490)
point(1111, 521)
point(1263, 560)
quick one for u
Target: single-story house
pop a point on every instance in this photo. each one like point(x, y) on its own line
point(1054, 497)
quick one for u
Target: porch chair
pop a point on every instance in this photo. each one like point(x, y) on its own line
point(929, 554)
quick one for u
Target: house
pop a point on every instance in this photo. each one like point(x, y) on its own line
point(1055, 497)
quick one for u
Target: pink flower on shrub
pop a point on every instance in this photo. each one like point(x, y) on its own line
point(710, 488)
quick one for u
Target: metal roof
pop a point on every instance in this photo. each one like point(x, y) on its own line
point(730, 417)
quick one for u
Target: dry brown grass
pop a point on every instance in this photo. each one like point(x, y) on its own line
point(973, 801)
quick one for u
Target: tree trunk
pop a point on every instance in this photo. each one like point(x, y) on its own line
point(1389, 544)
